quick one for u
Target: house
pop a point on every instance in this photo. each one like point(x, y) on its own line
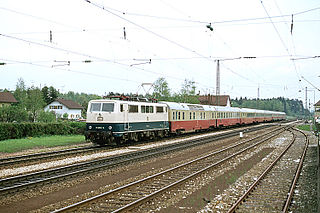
point(220, 100)
point(61, 107)
point(6, 99)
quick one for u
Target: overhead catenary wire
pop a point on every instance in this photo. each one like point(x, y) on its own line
point(148, 30)
point(84, 54)
point(205, 21)
point(282, 41)
point(167, 58)
point(68, 70)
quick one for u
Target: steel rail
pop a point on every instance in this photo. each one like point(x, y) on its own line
point(17, 183)
point(298, 172)
point(254, 185)
point(163, 173)
point(44, 155)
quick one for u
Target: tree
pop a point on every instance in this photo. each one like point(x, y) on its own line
point(46, 117)
point(161, 89)
point(34, 103)
point(49, 94)
point(188, 88)
point(13, 114)
point(21, 93)
point(188, 92)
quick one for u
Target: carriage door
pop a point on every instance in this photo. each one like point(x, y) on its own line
point(125, 117)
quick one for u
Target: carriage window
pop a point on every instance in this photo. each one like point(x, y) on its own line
point(107, 107)
point(159, 109)
point(183, 116)
point(133, 109)
point(179, 115)
point(194, 115)
point(95, 107)
point(204, 115)
point(121, 107)
point(190, 115)
point(200, 115)
point(173, 115)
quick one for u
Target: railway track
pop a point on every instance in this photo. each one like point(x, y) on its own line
point(273, 190)
point(130, 196)
point(12, 161)
point(45, 155)
point(18, 183)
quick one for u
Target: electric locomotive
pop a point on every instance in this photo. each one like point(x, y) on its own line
point(110, 121)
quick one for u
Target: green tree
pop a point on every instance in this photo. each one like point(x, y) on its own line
point(49, 94)
point(13, 114)
point(65, 116)
point(188, 92)
point(21, 93)
point(161, 89)
point(47, 117)
point(34, 103)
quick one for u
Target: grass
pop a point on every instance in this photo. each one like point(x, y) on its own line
point(306, 127)
point(16, 145)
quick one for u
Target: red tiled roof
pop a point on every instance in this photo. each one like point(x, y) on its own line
point(221, 100)
point(70, 104)
point(7, 97)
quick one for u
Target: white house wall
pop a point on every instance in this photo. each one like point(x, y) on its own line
point(72, 113)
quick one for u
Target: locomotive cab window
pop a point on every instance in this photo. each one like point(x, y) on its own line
point(95, 107)
point(107, 107)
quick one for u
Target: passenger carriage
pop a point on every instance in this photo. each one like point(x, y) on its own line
point(185, 117)
point(227, 116)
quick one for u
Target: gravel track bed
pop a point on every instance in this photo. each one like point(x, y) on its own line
point(305, 198)
point(224, 201)
point(40, 150)
point(74, 183)
point(172, 197)
point(53, 163)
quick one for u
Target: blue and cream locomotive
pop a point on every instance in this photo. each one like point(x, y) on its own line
point(111, 121)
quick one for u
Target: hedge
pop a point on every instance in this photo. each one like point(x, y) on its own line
point(22, 130)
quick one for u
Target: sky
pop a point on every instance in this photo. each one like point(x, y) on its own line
point(101, 46)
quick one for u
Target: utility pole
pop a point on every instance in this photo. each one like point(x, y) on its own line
point(306, 102)
point(258, 97)
point(218, 82)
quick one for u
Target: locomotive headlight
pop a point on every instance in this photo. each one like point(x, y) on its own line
point(110, 127)
point(90, 127)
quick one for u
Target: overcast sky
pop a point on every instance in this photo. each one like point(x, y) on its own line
point(173, 34)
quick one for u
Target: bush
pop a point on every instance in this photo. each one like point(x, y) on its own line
point(47, 117)
point(21, 130)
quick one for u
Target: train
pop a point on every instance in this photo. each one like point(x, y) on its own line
point(118, 120)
